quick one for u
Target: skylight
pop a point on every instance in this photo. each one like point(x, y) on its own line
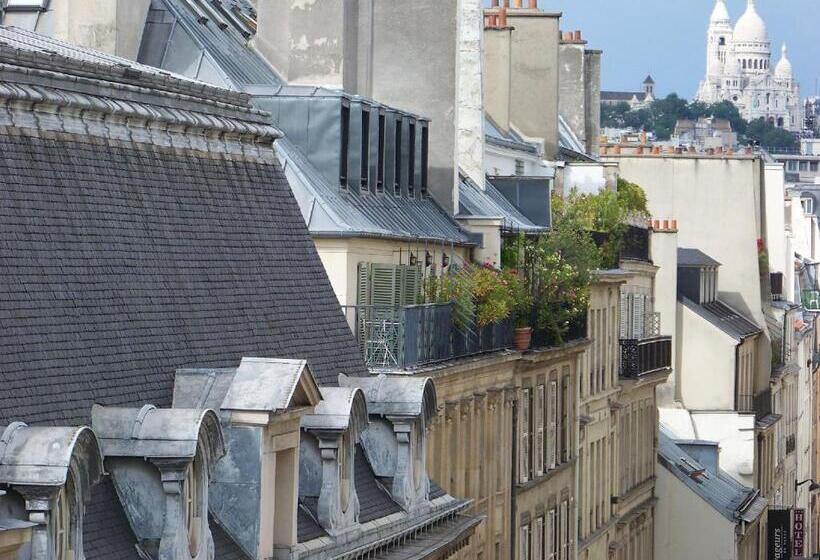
point(27, 4)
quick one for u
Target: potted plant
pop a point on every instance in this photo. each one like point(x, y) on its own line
point(521, 303)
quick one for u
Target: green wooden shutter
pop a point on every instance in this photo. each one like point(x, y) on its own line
point(363, 284)
point(384, 285)
point(411, 284)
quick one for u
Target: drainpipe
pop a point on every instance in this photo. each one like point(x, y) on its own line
point(513, 479)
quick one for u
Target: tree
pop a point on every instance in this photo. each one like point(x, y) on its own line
point(767, 135)
point(727, 110)
point(613, 115)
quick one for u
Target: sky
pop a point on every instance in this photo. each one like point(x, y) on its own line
point(667, 38)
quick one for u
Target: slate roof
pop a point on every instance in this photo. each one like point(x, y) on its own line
point(725, 318)
point(727, 496)
point(374, 500)
point(490, 203)
point(331, 211)
point(511, 140)
point(622, 95)
point(695, 257)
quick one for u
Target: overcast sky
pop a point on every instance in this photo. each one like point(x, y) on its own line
point(667, 38)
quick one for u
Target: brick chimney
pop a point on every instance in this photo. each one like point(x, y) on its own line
point(497, 67)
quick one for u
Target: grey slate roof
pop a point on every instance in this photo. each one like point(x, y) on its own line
point(330, 211)
point(725, 318)
point(511, 140)
point(727, 496)
point(491, 204)
point(622, 95)
point(695, 257)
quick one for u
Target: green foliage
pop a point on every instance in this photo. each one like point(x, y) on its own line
point(766, 134)
point(632, 198)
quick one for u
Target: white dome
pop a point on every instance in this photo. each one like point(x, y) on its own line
point(750, 27)
point(720, 13)
point(784, 67)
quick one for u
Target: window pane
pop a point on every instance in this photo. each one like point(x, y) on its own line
point(183, 55)
point(26, 4)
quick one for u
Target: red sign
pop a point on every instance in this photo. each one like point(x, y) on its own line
point(798, 531)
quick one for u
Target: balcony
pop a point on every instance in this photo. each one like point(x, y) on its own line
point(811, 299)
point(393, 338)
point(643, 357)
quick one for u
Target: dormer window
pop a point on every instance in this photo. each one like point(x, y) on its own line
point(398, 162)
point(194, 488)
point(411, 164)
point(61, 523)
point(697, 276)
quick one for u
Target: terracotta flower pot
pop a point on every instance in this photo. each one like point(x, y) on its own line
point(522, 339)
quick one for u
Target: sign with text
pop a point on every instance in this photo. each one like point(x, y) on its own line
point(798, 531)
point(779, 533)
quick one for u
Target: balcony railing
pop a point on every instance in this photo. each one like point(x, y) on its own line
point(416, 335)
point(811, 299)
point(644, 357)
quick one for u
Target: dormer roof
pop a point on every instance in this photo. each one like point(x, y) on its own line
point(156, 432)
point(396, 395)
point(341, 409)
point(42, 456)
point(695, 258)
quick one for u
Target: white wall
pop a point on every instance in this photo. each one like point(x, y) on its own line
point(716, 202)
point(779, 260)
point(498, 161)
point(587, 178)
point(687, 527)
point(705, 363)
point(735, 434)
point(664, 248)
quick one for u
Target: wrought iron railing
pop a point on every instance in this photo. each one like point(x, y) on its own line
point(646, 356)
point(652, 325)
point(636, 244)
point(811, 299)
point(415, 335)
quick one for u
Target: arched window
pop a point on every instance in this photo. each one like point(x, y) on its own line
point(62, 522)
point(768, 98)
point(194, 488)
point(722, 41)
point(744, 64)
point(755, 62)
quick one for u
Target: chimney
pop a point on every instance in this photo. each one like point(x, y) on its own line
point(577, 36)
point(111, 26)
point(534, 78)
point(314, 43)
point(497, 66)
point(533, 4)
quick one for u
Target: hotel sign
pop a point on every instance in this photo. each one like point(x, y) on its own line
point(798, 532)
point(779, 534)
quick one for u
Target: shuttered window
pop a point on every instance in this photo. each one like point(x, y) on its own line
point(550, 535)
point(552, 425)
point(538, 539)
point(524, 546)
point(566, 433)
point(388, 284)
point(538, 439)
point(524, 437)
point(564, 532)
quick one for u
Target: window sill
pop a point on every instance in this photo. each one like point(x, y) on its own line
point(538, 481)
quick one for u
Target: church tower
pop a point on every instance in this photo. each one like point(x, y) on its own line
point(718, 39)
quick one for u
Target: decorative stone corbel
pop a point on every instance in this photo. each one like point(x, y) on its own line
point(331, 515)
point(174, 541)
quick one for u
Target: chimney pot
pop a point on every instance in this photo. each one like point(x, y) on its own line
point(730, 151)
point(502, 16)
point(678, 150)
point(666, 224)
point(674, 224)
point(616, 149)
point(643, 137)
point(494, 3)
point(533, 4)
point(639, 150)
point(656, 150)
point(577, 35)
point(710, 151)
point(604, 150)
point(719, 150)
point(518, 3)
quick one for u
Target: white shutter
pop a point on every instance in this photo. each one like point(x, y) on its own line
point(567, 425)
point(552, 431)
point(625, 314)
point(638, 312)
point(538, 539)
point(524, 546)
point(549, 536)
point(564, 532)
point(524, 433)
point(538, 440)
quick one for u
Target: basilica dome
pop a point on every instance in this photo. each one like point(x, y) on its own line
point(750, 27)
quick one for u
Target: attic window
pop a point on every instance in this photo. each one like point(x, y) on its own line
point(345, 138)
point(365, 150)
point(192, 501)
point(61, 523)
point(397, 184)
point(380, 170)
point(411, 164)
point(424, 142)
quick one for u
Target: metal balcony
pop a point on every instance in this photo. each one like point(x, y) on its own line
point(646, 356)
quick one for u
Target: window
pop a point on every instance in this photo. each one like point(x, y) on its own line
point(380, 170)
point(397, 170)
point(550, 537)
point(524, 546)
point(567, 427)
point(804, 166)
point(60, 521)
point(538, 539)
point(524, 436)
point(344, 458)
point(538, 438)
point(365, 151)
point(813, 166)
point(552, 434)
point(424, 141)
point(27, 4)
point(345, 145)
point(411, 163)
point(519, 167)
point(193, 491)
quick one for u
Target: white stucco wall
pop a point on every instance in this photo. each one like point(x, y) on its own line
point(687, 527)
point(705, 363)
point(498, 161)
point(716, 202)
point(664, 249)
point(587, 178)
point(779, 260)
point(735, 434)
